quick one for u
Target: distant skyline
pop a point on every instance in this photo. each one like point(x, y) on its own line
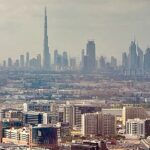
point(112, 24)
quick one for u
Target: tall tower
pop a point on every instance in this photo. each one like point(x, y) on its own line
point(91, 57)
point(133, 58)
point(27, 60)
point(46, 54)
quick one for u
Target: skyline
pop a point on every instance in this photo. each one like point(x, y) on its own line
point(25, 26)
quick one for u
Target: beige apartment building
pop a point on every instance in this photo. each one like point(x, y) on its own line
point(98, 124)
point(132, 113)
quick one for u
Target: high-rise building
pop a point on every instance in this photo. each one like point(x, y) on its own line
point(10, 63)
point(113, 62)
point(132, 113)
point(85, 64)
point(147, 61)
point(106, 124)
point(59, 61)
point(63, 131)
point(27, 59)
point(73, 64)
point(140, 60)
point(33, 63)
point(21, 61)
point(135, 63)
point(89, 60)
point(82, 59)
point(16, 64)
point(89, 124)
point(39, 61)
point(132, 58)
point(124, 62)
point(73, 113)
point(98, 124)
point(102, 63)
point(46, 54)
point(65, 60)
point(55, 57)
point(4, 64)
point(91, 56)
point(147, 127)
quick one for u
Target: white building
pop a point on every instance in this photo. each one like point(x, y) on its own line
point(34, 106)
point(135, 128)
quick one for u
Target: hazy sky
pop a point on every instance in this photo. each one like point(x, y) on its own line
point(111, 23)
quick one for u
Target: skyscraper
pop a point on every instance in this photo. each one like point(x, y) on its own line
point(46, 54)
point(10, 63)
point(4, 64)
point(102, 63)
point(132, 58)
point(21, 61)
point(82, 59)
point(27, 59)
point(73, 63)
point(91, 56)
point(89, 60)
point(124, 61)
point(147, 61)
point(56, 57)
point(16, 64)
point(140, 60)
point(39, 61)
point(65, 60)
point(113, 62)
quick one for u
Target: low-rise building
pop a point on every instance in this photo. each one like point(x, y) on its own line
point(89, 145)
point(32, 136)
point(135, 127)
point(33, 118)
point(35, 106)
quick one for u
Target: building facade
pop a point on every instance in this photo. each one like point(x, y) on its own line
point(98, 124)
point(132, 113)
point(135, 127)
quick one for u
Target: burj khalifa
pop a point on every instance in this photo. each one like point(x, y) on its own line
point(46, 54)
